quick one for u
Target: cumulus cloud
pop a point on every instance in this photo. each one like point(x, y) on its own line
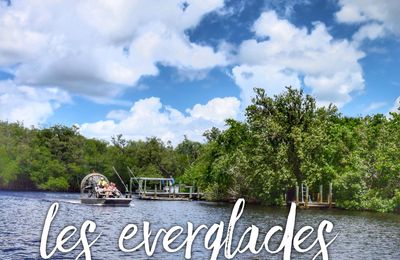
point(283, 54)
point(96, 49)
point(149, 117)
point(385, 13)
point(28, 105)
point(272, 78)
point(100, 48)
point(370, 31)
point(216, 110)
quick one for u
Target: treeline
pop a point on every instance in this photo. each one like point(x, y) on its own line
point(57, 158)
point(285, 140)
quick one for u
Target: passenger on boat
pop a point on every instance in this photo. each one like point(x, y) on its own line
point(112, 190)
point(102, 183)
point(101, 188)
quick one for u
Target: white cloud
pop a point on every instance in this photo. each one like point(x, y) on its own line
point(285, 55)
point(370, 31)
point(271, 77)
point(216, 110)
point(31, 106)
point(100, 48)
point(359, 11)
point(396, 106)
point(149, 117)
point(119, 20)
point(374, 106)
point(350, 13)
point(117, 114)
point(17, 42)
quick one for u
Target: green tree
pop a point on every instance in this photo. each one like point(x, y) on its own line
point(289, 137)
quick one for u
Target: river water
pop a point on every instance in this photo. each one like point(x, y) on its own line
point(362, 235)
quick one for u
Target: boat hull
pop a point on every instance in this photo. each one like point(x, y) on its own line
point(117, 202)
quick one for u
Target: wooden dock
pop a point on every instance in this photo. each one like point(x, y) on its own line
point(150, 197)
point(180, 196)
point(165, 189)
point(303, 198)
point(315, 205)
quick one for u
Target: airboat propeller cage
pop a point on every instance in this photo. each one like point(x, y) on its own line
point(92, 178)
point(92, 194)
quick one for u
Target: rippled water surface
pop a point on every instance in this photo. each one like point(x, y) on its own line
point(361, 235)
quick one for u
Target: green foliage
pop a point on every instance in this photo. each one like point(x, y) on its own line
point(287, 140)
point(55, 184)
point(290, 139)
point(284, 141)
point(58, 157)
point(8, 167)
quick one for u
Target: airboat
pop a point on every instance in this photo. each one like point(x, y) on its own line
point(95, 193)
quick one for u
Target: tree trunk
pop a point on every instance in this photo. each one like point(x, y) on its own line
point(295, 162)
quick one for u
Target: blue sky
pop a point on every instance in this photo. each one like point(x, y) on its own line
point(175, 68)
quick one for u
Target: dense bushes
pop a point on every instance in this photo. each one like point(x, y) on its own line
point(57, 158)
point(287, 140)
point(284, 141)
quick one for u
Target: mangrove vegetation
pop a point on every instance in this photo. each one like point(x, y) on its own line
point(284, 141)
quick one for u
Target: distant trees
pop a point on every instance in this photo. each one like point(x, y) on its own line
point(58, 157)
point(285, 140)
point(13, 152)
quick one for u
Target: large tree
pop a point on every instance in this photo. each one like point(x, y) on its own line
point(290, 141)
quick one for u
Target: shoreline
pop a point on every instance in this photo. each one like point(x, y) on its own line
point(231, 202)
